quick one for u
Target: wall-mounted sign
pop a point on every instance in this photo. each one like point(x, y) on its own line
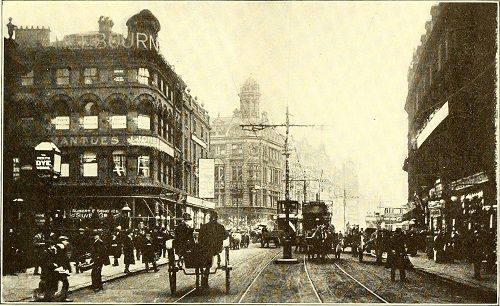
point(112, 40)
point(432, 124)
point(206, 178)
point(139, 140)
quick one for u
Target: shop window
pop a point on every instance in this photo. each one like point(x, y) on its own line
point(89, 164)
point(62, 76)
point(27, 79)
point(155, 80)
point(143, 76)
point(16, 170)
point(143, 122)
point(90, 75)
point(64, 170)
point(143, 166)
point(61, 122)
point(118, 75)
point(120, 163)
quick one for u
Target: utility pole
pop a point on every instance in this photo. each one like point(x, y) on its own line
point(287, 248)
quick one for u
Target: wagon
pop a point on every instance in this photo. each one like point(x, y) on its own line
point(193, 262)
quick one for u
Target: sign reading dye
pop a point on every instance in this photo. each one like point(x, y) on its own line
point(43, 162)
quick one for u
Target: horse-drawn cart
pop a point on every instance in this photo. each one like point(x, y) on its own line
point(195, 262)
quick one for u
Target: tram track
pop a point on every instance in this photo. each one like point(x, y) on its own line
point(359, 283)
point(236, 266)
point(256, 277)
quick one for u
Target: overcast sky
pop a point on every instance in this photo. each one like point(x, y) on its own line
point(343, 64)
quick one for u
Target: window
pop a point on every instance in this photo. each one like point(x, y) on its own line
point(194, 126)
point(223, 150)
point(143, 122)
point(155, 79)
point(64, 170)
point(217, 150)
point(90, 75)
point(16, 169)
point(143, 166)
point(62, 76)
point(90, 117)
point(118, 75)
point(202, 133)
point(237, 174)
point(61, 122)
point(219, 176)
point(120, 163)
point(118, 122)
point(143, 76)
point(89, 164)
point(27, 79)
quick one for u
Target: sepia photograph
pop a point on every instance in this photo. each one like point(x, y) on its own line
point(249, 152)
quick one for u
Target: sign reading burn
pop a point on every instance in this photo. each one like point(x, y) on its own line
point(112, 40)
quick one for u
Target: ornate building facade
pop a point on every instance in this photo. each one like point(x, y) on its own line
point(129, 131)
point(249, 165)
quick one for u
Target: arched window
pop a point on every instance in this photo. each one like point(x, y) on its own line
point(60, 114)
point(118, 117)
point(120, 163)
point(144, 112)
point(91, 116)
point(89, 164)
point(143, 76)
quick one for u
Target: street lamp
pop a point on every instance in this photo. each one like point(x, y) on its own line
point(48, 167)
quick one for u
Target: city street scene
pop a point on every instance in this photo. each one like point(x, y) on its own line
point(250, 152)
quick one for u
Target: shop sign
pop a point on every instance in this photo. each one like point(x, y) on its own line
point(43, 162)
point(469, 181)
point(112, 40)
point(147, 141)
point(206, 179)
point(87, 213)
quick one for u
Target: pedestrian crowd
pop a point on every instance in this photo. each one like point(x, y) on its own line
point(475, 245)
point(56, 256)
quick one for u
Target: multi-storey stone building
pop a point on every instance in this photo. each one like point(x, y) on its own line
point(249, 165)
point(451, 119)
point(129, 131)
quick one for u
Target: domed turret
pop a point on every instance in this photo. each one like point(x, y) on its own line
point(144, 22)
point(250, 99)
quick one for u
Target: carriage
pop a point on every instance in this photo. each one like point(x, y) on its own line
point(194, 261)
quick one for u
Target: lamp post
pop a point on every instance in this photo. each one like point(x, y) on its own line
point(126, 211)
point(48, 167)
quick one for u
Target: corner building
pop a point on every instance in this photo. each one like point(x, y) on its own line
point(249, 165)
point(123, 120)
point(451, 105)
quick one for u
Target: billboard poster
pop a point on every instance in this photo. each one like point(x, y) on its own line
point(206, 178)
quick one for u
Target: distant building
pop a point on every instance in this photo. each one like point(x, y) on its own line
point(129, 131)
point(249, 165)
point(388, 218)
point(451, 104)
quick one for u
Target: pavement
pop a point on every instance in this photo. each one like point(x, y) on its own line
point(459, 272)
point(19, 288)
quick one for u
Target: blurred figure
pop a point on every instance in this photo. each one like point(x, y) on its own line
point(212, 235)
point(99, 258)
point(148, 255)
point(398, 254)
point(128, 250)
point(184, 239)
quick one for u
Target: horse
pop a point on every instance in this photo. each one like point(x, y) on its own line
point(234, 241)
point(245, 240)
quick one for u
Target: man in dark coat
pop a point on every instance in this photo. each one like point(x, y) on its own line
point(398, 254)
point(184, 239)
point(212, 235)
point(99, 258)
point(63, 268)
point(148, 255)
point(38, 248)
point(79, 248)
point(128, 250)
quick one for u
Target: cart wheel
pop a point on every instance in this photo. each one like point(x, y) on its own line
point(172, 276)
point(228, 281)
